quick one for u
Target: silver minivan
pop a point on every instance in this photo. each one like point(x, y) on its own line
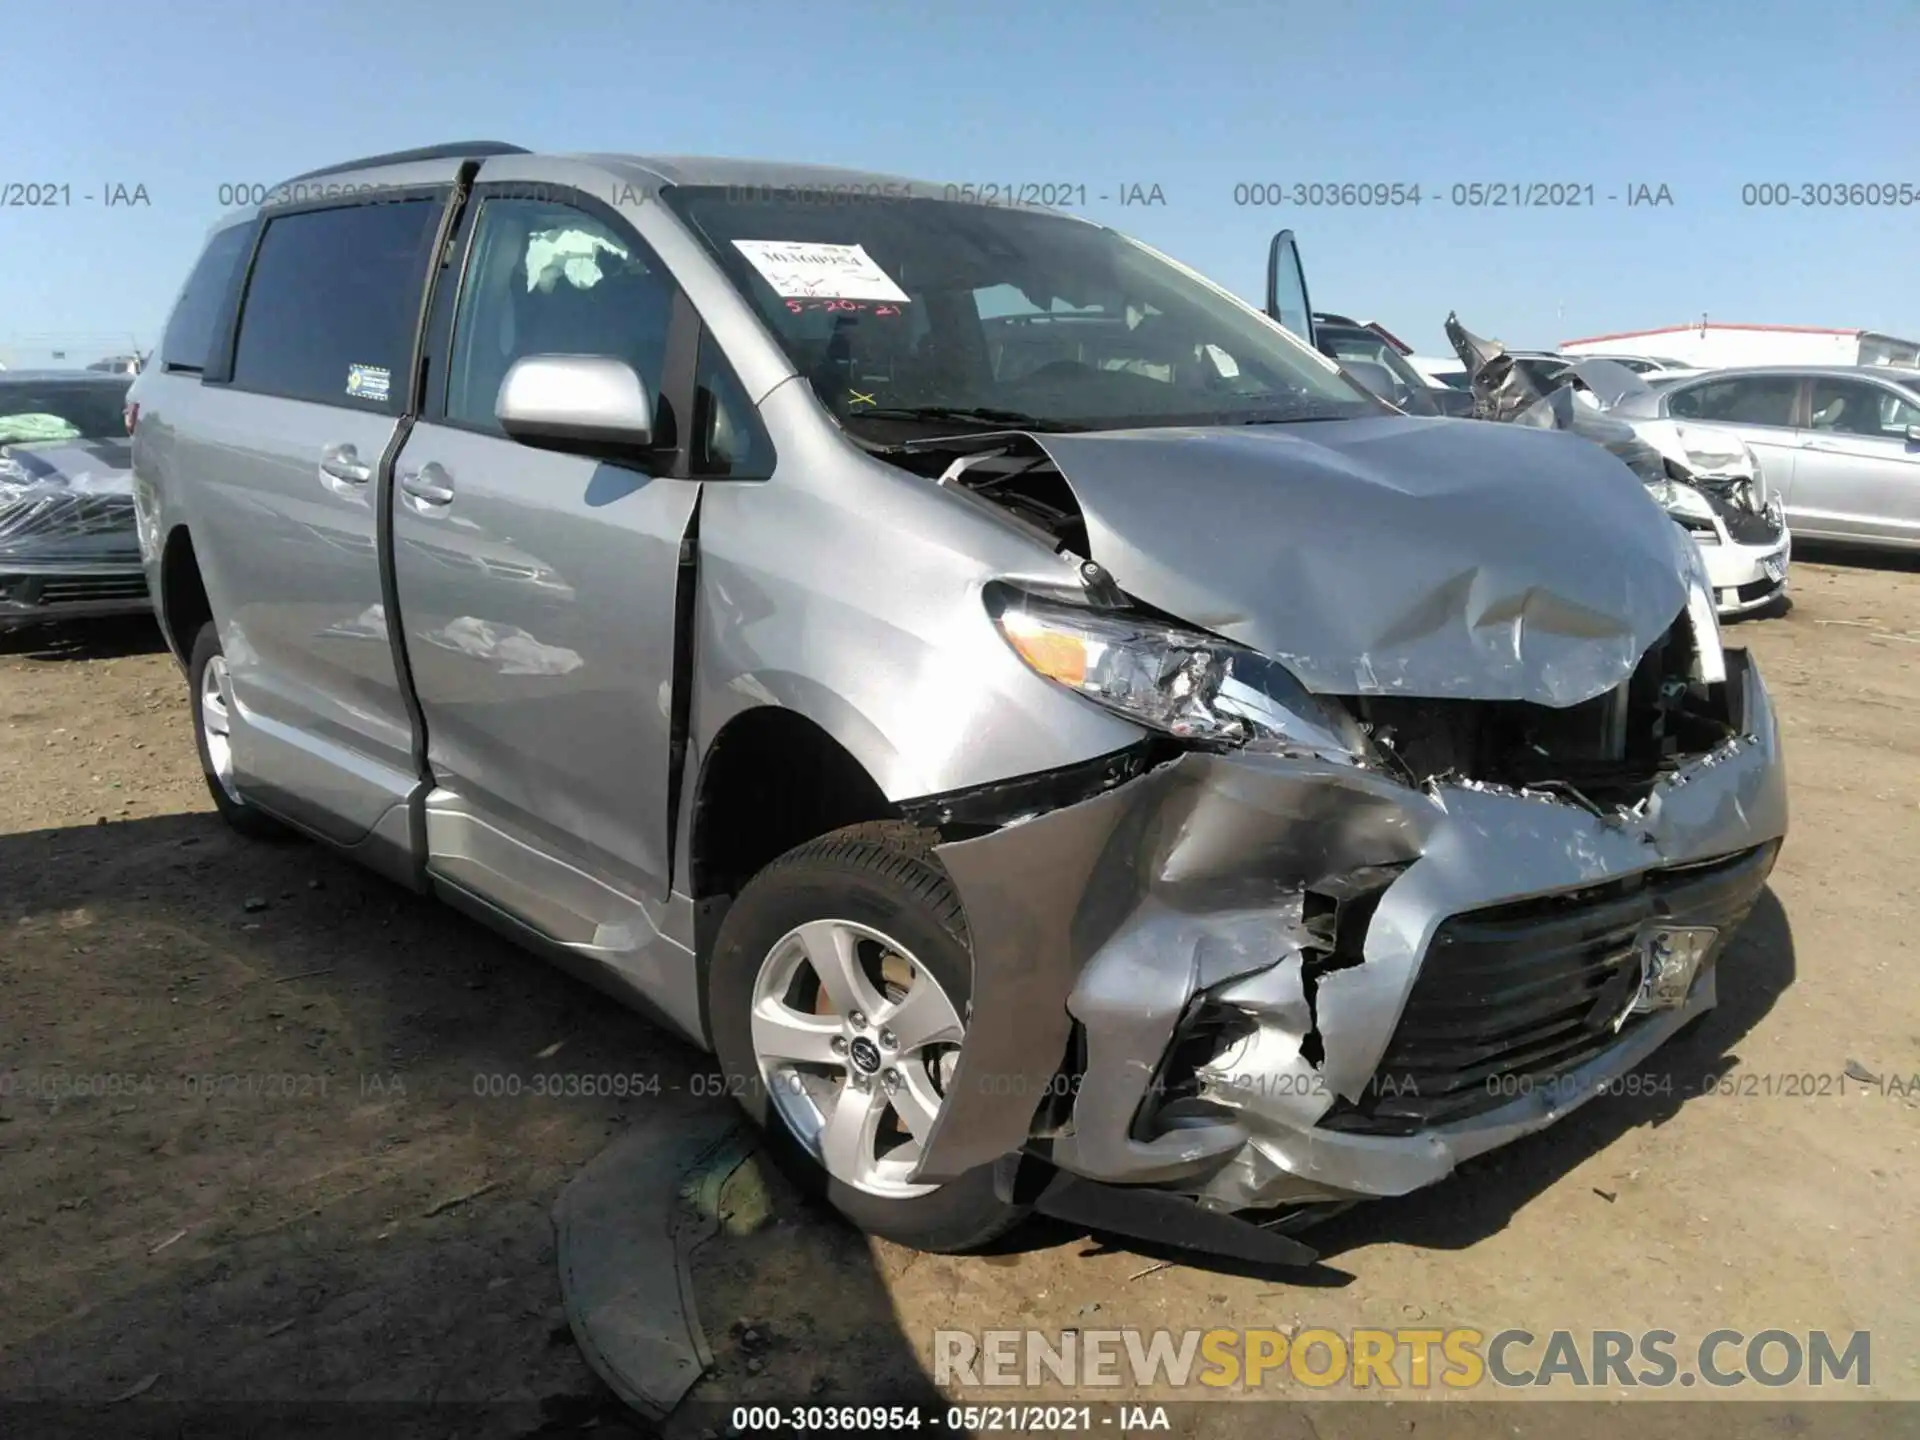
point(1059, 742)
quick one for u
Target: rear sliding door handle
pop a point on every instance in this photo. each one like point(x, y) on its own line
point(430, 484)
point(342, 462)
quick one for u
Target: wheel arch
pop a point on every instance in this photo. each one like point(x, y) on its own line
point(770, 779)
point(182, 604)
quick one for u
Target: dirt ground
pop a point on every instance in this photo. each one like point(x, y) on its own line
point(254, 1145)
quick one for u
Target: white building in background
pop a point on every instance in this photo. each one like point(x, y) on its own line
point(1712, 345)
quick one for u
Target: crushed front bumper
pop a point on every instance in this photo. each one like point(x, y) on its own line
point(1107, 933)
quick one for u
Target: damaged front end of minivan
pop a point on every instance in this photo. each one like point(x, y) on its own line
point(1445, 822)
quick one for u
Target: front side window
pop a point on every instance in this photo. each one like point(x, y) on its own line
point(728, 438)
point(905, 312)
point(1853, 407)
point(1749, 400)
point(330, 308)
point(547, 279)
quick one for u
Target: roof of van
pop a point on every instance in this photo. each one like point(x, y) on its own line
point(647, 170)
point(670, 169)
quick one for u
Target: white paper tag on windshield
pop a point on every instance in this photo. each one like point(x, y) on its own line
point(802, 270)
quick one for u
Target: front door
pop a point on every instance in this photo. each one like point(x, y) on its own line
point(536, 591)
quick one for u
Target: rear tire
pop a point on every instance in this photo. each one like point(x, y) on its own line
point(212, 699)
point(875, 904)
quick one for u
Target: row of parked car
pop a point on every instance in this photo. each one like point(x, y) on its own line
point(1742, 459)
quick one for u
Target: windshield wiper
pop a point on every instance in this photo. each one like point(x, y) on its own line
point(984, 417)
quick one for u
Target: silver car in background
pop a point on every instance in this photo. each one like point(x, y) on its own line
point(1060, 742)
point(68, 545)
point(1840, 445)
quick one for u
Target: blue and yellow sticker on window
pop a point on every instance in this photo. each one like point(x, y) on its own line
point(369, 382)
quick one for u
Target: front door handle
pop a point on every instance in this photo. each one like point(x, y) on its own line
point(342, 462)
point(430, 484)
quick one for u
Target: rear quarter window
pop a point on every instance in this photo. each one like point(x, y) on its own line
point(330, 307)
point(189, 332)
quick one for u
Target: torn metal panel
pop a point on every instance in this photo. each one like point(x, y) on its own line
point(1129, 999)
point(1444, 559)
point(1116, 910)
point(1185, 886)
point(625, 1231)
point(1033, 922)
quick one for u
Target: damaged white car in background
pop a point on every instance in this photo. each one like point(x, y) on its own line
point(1708, 479)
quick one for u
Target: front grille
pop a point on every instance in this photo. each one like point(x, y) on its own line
point(53, 591)
point(1756, 590)
point(1514, 995)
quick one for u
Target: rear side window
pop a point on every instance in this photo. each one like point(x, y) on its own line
point(190, 329)
point(330, 309)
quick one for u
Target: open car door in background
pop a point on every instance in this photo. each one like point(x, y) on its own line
point(1287, 302)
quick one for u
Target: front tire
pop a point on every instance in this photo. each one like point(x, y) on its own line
point(213, 736)
point(838, 994)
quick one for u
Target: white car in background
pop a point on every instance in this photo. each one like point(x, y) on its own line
point(1736, 519)
point(1704, 476)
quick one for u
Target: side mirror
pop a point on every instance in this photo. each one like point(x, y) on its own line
point(1913, 434)
point(1376, 377)
point(569, 402)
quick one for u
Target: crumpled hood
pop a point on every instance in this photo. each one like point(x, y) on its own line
point(1443, 558)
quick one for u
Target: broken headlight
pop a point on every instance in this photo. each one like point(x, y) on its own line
point(1678, 498)
point(1183, 682)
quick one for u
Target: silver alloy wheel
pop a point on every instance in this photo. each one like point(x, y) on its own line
point(217, 724)
point(857, 1063)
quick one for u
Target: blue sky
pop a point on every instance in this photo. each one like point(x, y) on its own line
point(1703, 98)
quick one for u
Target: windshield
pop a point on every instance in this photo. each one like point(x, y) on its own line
point(62, 410)
point(904, 311)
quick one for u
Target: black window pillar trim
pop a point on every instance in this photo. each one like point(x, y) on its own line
point(217, 368)
point(383, 500)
